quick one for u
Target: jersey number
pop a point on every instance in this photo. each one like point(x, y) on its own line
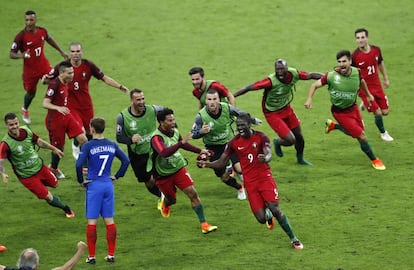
point(371, 70)
point(38, 51)
point(250, 157)
point(76, 85)
point(104, 161)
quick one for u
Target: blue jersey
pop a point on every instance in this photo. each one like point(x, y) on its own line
point(99, 154)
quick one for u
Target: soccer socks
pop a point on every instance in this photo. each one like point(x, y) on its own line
point(199, 209)
point(27, 101)
point(380, 123)
point(56, 202)
point(111, 238)
point(366, 148)
point(284, 223)
point(91, 237)
point(55, 160)
point(154, 190)
point(233, 183)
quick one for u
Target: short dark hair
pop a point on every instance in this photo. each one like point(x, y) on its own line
point(133, 91)
point(161, 115)
point(245, 117)
point(30, 12)
point(9, 116)
point(281, 61)
point(195, 70)
point(342, 53)
point(359, 30)
point(212, 92)
point(98, 124)
point(64, 65)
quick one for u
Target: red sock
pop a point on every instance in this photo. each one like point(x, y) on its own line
point(91, 239)
point(111, 238)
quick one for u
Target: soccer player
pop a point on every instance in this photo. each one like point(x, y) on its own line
point(79, 98)
point(59, 119)
point(343, 85)
point(18, 146)
point(169, 167)
point(135, 126)
point(30, 42)
point(213, 125)
point(3, 248)
point(201, 87)
point(253, 150)
point(368, 59)
point(99, 154)
point(277, 96)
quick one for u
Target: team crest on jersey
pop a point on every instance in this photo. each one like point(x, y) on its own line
point(133, 125)
point(84, 75)
point(211, 124)
point(50, 92)
point(337, 78)
point(20, 150)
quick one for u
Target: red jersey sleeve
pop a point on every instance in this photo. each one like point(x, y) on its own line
point(221, 89)
point(324, 79)
point(265, 83)
point(4, 150)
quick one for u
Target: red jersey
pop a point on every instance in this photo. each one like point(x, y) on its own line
point(79, 97)
point(57, 92)
point(221, 89)
point(368, 65)
point(37, 65)
point(247, 150)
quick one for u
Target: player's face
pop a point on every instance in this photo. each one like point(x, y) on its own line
point(197, 80)
point(280, 70)
point(13, 127)
point(138, 102)
point(345, 65)
point(30, 21)
point(361, 40)
point(75, 52)
point(169, 123)
point(243, 127)
point(212, 102)
point(67, 75)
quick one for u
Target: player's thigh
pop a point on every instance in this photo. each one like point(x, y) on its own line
point(47, 177)
point(73, 127)
point(277, 123)
point(35, 185)
point(93, 201)
point(108, 202)
point(139, 166)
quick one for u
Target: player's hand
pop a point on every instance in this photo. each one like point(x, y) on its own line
point(261, 158)
point(386, 83)
point(201, 163)
point(308, 104)
point(5, 178)
point(26, 54)
point(187, 138)
point(64, 55)
point(82, 246)
point(46, 78)
point(63, 110)
point(135, 138)
point(205, 129)
point(58, 152)
point(257, 121)
point(85, 182)
point(113, 178)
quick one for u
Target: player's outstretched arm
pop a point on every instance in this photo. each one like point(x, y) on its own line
point(75, 258)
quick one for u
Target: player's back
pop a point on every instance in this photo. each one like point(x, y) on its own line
point(100, 154)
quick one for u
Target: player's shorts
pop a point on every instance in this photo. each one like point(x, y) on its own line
point(350, 119)
point(100, 199)
point(84, 117)
point(139, 166)
point(168, 185)
point(39, 182)
point(380, 100)
point(59, 126)
point(218, 150)
point(30, 80)
point(282, 121)
point(261, 191)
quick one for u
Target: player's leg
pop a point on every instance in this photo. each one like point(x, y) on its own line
point(185, 183)
point(300, 146)
point(108, 212)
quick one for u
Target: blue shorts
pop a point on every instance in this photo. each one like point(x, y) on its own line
point(100, 200)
